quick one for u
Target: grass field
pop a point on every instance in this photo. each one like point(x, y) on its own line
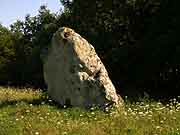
point(30, 112)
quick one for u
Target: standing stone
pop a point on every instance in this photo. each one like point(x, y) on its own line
point(75, 74)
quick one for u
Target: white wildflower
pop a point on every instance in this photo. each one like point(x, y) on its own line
point(36, 133)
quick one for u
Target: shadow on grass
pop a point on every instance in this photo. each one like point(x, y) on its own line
point(35, 102)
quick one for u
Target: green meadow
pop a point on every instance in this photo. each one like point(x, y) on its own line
point(31, 112)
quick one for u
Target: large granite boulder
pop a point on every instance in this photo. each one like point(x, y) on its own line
point(75, 74)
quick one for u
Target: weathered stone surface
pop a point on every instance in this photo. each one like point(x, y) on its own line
point(75, 74)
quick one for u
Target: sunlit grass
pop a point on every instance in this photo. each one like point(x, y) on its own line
point(31, 112)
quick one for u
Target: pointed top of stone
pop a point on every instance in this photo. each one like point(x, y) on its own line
point(65, 32)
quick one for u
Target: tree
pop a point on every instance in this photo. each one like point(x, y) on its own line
point(7, 53)
point(31, 36)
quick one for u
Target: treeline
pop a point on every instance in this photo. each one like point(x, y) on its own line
point(137, 40)
point(22, 46)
